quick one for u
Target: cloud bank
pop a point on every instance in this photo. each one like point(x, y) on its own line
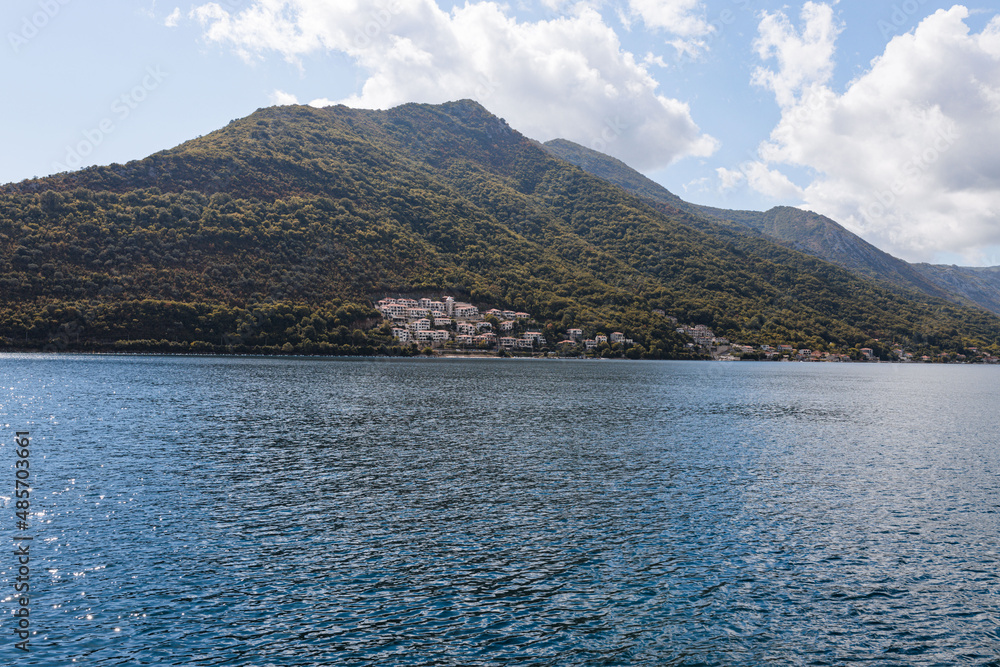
point(898, 157)
point(563, 77)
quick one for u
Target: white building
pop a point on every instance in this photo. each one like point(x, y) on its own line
point(437, 307)
point(535, 337)
point(466, 311)
point(389, 308)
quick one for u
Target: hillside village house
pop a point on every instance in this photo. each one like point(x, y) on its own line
point(414, 318)
point(619, 337)
point(700, 334)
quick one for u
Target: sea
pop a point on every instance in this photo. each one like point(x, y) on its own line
point(307, 511)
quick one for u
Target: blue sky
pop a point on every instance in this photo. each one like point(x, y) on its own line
point(884, 116)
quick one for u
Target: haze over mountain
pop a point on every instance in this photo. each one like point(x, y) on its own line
point(805, 231)
point(280, 229)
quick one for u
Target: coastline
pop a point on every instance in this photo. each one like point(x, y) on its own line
point(452, 356)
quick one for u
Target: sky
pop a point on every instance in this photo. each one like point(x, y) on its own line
point(884, 116)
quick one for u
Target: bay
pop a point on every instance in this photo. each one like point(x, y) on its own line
point(294, 511)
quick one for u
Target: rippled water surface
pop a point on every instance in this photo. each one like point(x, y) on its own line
point(215, 511)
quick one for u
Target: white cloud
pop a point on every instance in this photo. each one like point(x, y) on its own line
point(564, 77)
point(760, 177)
point(729, 178)
point(904, 156)
point(685, 19)
point(770, 182)
point(654, 60)
point(803, 59)
point(680, 17)
point(174, 18)
point(321, 102)
point(554, 5)
point(281, 98)
point(697, 185)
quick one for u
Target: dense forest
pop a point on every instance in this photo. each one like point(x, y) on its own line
point(277, 233)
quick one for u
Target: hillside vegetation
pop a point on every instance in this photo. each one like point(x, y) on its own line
point(277, 233)
point(801, 230)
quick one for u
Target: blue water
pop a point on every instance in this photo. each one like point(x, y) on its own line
point(215, 511)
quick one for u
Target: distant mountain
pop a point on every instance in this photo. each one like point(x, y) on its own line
point(980, 285)
point(820, 236)
point(804, 231)
point(617, 172)
point(278, 231)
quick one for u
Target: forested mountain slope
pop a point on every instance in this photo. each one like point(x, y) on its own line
point(806, 231)
point(278, 231)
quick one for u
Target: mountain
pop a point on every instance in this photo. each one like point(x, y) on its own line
point(617, 172)
point(278, 231)
point(979, 285)
point(805, 231)
point(820, 236)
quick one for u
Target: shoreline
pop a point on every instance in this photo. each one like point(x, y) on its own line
point(222, 355)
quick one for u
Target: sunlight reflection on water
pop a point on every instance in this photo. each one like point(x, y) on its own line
point(300, 512)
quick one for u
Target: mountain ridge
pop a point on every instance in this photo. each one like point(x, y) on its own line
point(294, 214)
point(807, 232)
